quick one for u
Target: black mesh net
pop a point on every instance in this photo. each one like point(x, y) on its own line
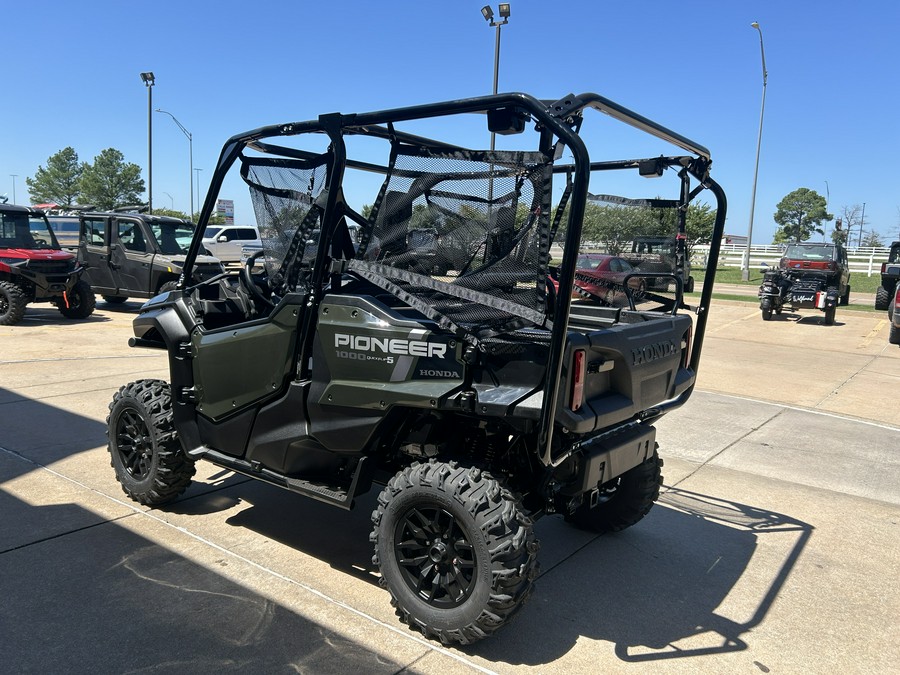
point(287, 197)
point(465, 233)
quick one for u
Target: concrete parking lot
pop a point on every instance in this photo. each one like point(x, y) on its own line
point(774, 548)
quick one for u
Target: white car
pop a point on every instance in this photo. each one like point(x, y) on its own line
point(226, 242)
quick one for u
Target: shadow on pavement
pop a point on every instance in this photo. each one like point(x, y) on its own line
point(655, 590)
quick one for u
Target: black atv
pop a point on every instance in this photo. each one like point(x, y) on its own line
point(479, 400)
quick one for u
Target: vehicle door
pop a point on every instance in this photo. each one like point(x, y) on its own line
point(94, 254)
point(131, 255)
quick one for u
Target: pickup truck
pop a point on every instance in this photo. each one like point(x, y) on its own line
point(479, 402)
point(137, 255)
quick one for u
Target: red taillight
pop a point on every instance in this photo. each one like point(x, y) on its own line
point(897, 297)
point(883, 267)
point(579, 368)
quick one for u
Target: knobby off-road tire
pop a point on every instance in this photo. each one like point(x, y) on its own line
point(882, 298)
point(845, 298)
point(455, 550)
point(12, 303)
point(624, 501)
point(829, 315)
point(894, 336)
point(767, 314)
point(81, 302)
point(143, 445)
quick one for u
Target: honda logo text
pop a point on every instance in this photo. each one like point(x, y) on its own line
point(649, 353)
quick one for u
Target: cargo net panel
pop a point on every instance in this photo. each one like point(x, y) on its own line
point(286, 196)
point(464, 234)
point(630, 249)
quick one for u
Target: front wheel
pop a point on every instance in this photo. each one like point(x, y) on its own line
point(12, 303)
point(624, 500)
point(689, 286)
point(894, 337)
point(79, 303)
point(845, 298)
point(455, 550)
point(143, 446)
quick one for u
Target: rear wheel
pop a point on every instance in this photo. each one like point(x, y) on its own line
point(81, 302)
point(767, 314)
point(845, 298)
point(882, 297)
point(894, 337)
point(12, 303)
point(623, 501)
point(455, 549)
point(689, 286)
point(829, 315)
point(143, 446)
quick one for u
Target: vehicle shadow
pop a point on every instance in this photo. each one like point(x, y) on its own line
point(654, 591)
point(47, 316)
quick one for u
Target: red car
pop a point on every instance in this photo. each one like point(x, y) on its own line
point(602, 275)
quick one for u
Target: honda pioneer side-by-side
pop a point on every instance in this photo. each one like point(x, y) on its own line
point(33, 268)
point(478, 400)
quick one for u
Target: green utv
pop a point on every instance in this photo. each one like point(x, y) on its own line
point(474, 389)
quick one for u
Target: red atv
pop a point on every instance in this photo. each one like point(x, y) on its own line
point(33, 268)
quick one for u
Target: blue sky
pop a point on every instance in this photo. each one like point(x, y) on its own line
point(71, 78)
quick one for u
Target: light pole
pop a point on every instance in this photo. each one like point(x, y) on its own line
point(149, 80)
point(862, 221)
point(745, 273)
point(14, 176)
point(190, 150)
point(827, 199)
point(488, 14)
point(197, 173)
point(171, 200)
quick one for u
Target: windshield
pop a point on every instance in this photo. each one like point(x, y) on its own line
point(801, 252)
point(895, 254)
point(21, 230)
point(173, 238)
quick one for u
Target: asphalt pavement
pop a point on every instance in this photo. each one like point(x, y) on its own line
point(774, 546)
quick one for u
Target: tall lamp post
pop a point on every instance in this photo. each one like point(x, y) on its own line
point(197, 174)
point(488, 14)
point(149, 80)
point(862, 221)
point(190, 150)
point(14, 176)
point(745, 273)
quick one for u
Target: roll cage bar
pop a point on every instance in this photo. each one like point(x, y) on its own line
point(554, 119)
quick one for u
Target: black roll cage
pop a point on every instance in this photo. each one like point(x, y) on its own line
point(560, 119)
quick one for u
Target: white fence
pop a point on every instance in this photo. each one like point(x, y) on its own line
point(863, 260)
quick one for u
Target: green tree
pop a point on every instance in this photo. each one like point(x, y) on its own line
point(170, 213)
point(59, 183)
point(699, 224)
point(799, 215)
point(873, 239)
point(111, 182)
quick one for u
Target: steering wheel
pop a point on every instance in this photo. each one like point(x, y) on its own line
point(249, 283)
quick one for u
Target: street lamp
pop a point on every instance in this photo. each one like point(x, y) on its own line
point(862, 221)
point(149, 80)
point(745, 273)
point(190, 150)
point(197, 173)
point(171, 200)
point(488, 14)
point(14, 176)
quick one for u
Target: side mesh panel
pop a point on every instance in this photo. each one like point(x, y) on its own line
point(285, 196)
point(465, 233)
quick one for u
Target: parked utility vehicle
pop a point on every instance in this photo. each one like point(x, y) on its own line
point(33, 268)
point(135, 255)
point(480, 401)
point(890, 277)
